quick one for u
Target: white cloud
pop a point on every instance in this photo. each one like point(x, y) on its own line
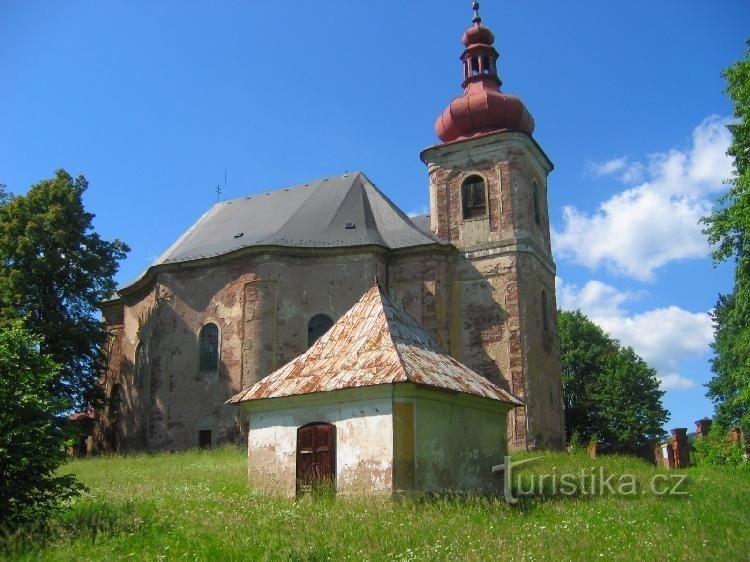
point(643, 228)
point(662, 336)
point(423, 210)
point(626, 171)
point(608, 167)
point(674, 381)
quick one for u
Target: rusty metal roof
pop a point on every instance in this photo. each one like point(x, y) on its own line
point(375, 342)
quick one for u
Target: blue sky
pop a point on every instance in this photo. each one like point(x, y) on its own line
point(152, 101)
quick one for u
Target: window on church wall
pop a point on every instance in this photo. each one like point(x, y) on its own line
point(208, 344)
point(139, 366)
point(545, 311)
point(317, 326)
point(473, 197)
point(537, 203)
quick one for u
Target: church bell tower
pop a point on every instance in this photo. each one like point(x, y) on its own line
point(488, 197)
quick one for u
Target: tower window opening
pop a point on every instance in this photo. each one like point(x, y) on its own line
point(474, 66)
point(537, 208)
point(208, 343)
point(486, 68)
point(473, 197)
point(545, 311)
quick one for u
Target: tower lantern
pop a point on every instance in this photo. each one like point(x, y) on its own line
point(483, 107)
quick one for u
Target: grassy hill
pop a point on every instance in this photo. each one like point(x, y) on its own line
point(196, 506)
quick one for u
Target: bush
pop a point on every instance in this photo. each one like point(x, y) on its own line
point(32, 433)
point(715, 449)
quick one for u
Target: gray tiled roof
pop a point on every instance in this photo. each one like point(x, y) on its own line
point(422, 222)
point(343, 211)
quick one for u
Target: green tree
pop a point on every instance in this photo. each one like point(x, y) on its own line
point(728, 229)
point(32, 435)
point(4, 195)
point(54, 270)
point(610, 393)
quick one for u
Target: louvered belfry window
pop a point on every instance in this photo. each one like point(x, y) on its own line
point(473, 197)
point(209, 347)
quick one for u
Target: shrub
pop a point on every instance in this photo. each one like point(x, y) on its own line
point(32, 433)
point(715, 449)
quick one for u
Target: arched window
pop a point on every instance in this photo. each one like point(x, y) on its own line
point(208, 343)
point(473, 197)
point(545, 311)
point(537, 208)
point(317, 326)
point(139, 370)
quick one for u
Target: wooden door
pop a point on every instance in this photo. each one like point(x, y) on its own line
point(316, 456)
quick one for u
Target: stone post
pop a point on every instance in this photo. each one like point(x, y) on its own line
point(680, 447)
point(594, 450)
point(702, 427)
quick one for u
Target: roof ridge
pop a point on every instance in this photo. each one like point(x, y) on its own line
point(398, 211)
point(288, 187)
point(389, 303)
point(301, 208)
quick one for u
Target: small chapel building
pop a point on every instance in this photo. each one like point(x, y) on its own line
point(257, 280)
point(374, 406)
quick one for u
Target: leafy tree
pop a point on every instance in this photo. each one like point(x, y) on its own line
point(610, 393)
point(730, 386)
point(32, 437)
point(54, 269)
point(728, 229)
point(4, 195)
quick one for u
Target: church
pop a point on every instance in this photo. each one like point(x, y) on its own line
point(256, 281)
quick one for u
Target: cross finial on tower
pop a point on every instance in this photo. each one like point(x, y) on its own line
point(476, 19)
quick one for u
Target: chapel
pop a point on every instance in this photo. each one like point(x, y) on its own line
point(257, 281)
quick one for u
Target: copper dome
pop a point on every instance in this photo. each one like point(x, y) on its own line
point(482, 108)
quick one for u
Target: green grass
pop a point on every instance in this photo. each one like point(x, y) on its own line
point(196, 506)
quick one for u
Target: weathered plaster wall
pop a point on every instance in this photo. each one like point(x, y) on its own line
point(261, 304)
point(503, 263)
point(450, 454)
point(420, 283)
point(543, 387)
point(364, 440)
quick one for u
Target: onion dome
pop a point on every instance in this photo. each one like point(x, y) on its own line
point(482, 108)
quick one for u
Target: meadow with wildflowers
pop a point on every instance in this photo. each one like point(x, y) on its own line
point(196, 505)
